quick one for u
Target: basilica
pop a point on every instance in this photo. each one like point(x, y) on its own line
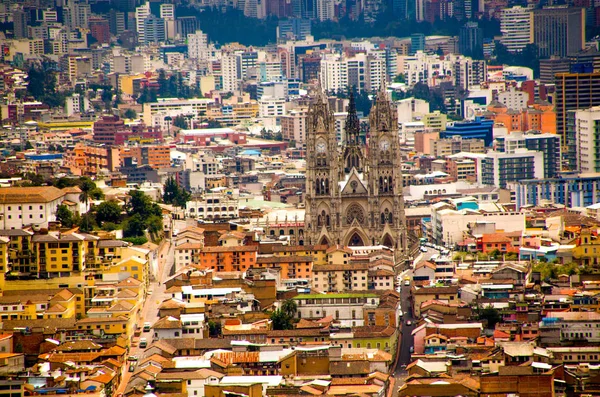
point(354, 187)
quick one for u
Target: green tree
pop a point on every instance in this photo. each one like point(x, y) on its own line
point(155, 225)
point(179, 122)
point(399, 78)
point(289, 307)
point(134, 227)
point(141, 204)
point(214, 329)
point(281, 321)
point(174, 194)
point(87, 186)
point(64, 215)
point(130, 113)
point(108, 211)
point(87, 222)
point(491, 315)
point(28, 145)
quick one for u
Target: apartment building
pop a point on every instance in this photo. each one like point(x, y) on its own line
point(31, 206)
point(515, 25)
point(347, 308)
point(573, 91)
point(85, 159)
point(293, 126)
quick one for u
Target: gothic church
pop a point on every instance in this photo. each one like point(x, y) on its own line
point(354, 191)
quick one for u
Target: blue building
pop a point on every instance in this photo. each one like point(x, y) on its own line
point(479, 129)
point(571, 190)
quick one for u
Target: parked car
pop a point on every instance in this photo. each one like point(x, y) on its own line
point(147, 327)
point(131, 367)
point(423, 249)
point(412, 349)
point(408, 322)
point(143, 343)
point(407, 283)
point(132, 358)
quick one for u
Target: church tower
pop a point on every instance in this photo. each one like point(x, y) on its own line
point(354, 189)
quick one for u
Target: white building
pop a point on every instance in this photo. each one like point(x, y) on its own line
point(33, 206)
point(587, 136)
point(219, 205)
point(198, 45)
point(515, 25)
point(500, 168)
point(363, 71)
point(514, 99)
point(325, 10)
point(346, 308)
point(155, 112)
point(76, 103)
point(141, 13)
point(410, 109)
point(269, 107)
point(449, 225)
point(230, 72)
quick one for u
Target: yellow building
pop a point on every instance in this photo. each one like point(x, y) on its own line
point(57, 255)
point(126, 82)
point(435, 121)
point(4, 242)
point(109, 326)
point(317, 252)
point(587, 251)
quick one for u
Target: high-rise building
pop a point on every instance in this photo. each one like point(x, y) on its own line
point(470, 41)
point(293, 127)
point(515, 25)
point(417, 42)
point(587, 138)
point(154, 30)
point(293, 28)
point(20, 24)
point(469, 72)
point(550, 67)
point(116, 22)
point(141, 13)
point(100, 29)
point(197, 45)
point(186, 26)
point(558, 30)
point(365, 72)
point(573, 91)
point(80, 15)
point(354, 194)
point(400, 8)
point(499, 169)
point(106, 129)
point(549, 144)
point(230, 72)
point(325, 10)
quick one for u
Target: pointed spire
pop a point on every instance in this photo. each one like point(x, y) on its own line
point(352, 126)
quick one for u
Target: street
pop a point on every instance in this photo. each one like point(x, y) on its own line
point(149, 312)
point(406, 338)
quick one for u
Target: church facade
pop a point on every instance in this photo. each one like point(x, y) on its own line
point(354, 190)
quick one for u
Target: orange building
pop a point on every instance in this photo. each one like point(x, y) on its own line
point(502, 242)
point(540, 117)
point(156, 156)
point(293, 266)
point(91, 159)
point(228, 259)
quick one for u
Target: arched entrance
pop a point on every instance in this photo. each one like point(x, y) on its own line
point(387, 241)
point(356, 240)
point(324, 241)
